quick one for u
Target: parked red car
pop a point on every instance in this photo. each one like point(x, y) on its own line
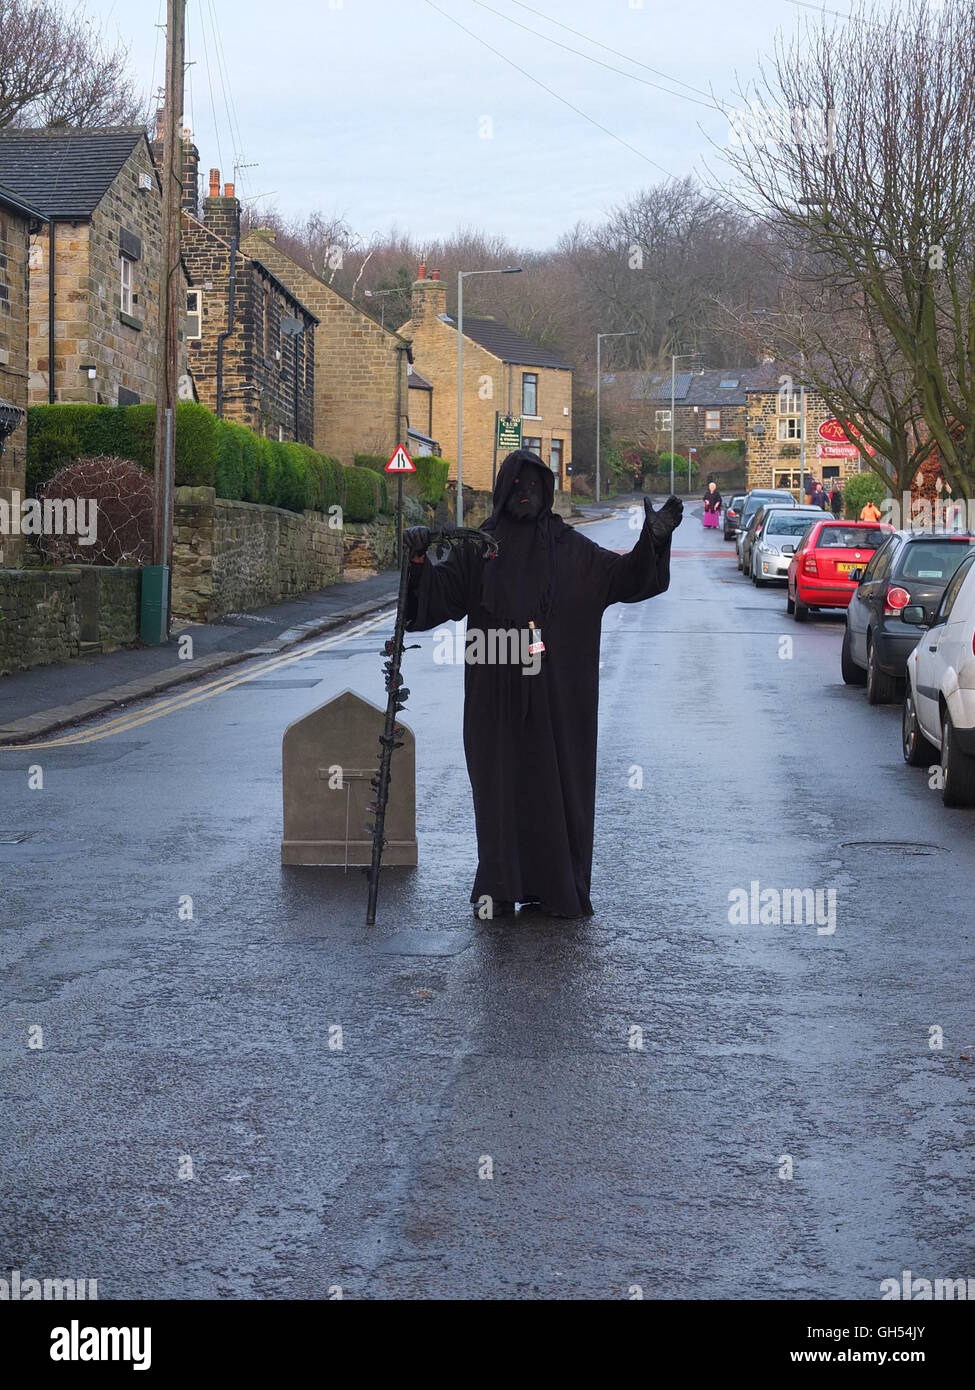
point(829, 553)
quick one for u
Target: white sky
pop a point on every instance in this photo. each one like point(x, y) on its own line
point(376, 110)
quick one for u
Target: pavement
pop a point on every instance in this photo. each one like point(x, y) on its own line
point(217, 1082)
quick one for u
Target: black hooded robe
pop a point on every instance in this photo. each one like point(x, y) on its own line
point(530, 740)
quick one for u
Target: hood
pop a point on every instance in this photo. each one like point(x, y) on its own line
point(505, 482)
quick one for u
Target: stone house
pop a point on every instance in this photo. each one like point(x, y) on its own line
point(250, 341)
point(18, 221)
point(101, 201)
point(503, 373)
point(774, 429)
point(361, 386)
point(419, 432)
point(709, 406)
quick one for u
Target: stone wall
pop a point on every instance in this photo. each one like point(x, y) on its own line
point(370, 546)
point(52, 615)
point(361, 399)
point(232, 556)
point(14, 251)
point(773, 462)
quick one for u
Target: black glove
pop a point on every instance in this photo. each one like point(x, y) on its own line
point(417, 539)
point(665, 522)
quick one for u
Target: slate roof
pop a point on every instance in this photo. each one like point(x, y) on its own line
point(713, 387)
point(11, 200)
point(416, 381)
point(64, 173)
point(504, 343)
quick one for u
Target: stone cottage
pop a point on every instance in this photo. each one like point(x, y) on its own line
point(503, 372)
point(18, 222)
point(250, 341)
point(101, 201)
point(361, 385)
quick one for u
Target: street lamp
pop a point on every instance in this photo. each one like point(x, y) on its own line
point(674, 359)
point(461, 275)
point(630, 333)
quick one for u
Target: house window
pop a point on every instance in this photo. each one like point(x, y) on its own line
point(194, 315)
point(556, 461)
point(790, 428)
point(661, 419)
point(529, 393)
point(534, 444)
point(712, 419)
point(125, 299)
point(788, 400)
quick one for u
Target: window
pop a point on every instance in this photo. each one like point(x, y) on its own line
point(556, 461)
point(125, 301)
point(529, 393)
point(788, 401)
point(789, 428)
point(879, 566)
point(534, 444)
point(194, 315)
point(712, 419)
point(661, 419)
point(951, 593)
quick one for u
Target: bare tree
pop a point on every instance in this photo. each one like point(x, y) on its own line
point(57, 67)
point(867, 182)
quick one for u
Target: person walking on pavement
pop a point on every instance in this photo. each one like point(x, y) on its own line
point(870, 511)
point(530, 720)
point(712, 504)
point(836, 501)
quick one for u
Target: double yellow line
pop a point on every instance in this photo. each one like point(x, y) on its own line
point(194, 694)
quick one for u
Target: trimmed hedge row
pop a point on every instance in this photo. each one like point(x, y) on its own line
point(237, 463)
point(429, 482)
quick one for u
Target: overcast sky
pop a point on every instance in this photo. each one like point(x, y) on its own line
point(386, 113)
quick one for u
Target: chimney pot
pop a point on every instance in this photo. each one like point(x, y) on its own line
point(421, 274)
point(228, 190)
point(436, 275)
point(214, 183)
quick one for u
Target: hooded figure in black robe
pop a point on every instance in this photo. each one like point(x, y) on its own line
point(530, 729)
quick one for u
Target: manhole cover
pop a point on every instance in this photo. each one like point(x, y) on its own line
point(420, 943)
point(896, 846)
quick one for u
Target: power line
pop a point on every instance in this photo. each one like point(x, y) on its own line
point(709, 98)
point(558, 96)
point(213, 104)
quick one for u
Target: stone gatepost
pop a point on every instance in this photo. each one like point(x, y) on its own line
point(328, 760)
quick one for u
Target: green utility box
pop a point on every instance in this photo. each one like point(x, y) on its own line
point(154, 609)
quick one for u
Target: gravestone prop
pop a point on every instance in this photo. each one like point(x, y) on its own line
point(329, 759)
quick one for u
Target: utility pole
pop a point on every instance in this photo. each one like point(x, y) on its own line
point(170, 310)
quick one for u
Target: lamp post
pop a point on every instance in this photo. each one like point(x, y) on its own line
point(631, 333)
point(674, 359)
point(461, 276)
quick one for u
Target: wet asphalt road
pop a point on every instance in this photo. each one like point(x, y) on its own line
point(612, 1166)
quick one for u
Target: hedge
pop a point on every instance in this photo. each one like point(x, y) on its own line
point(858, 489)
point(362, 494)
point(237, 463)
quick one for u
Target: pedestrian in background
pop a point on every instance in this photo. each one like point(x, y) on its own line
point(836, 501)
point(712, 504)
point(870, 511)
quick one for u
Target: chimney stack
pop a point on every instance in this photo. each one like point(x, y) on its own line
point(429, 297)
point(190, 201)
point(222, 215)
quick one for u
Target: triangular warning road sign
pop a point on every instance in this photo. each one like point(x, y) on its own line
point(400, 462)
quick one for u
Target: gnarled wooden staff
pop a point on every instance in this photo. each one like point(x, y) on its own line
point(396, 696)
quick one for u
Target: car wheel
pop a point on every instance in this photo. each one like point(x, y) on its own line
point(916, 749)
point(852, 673)
point(800, 612)
point(759, 581)
point(881, 688)
point(957, 769)
point(790, 606)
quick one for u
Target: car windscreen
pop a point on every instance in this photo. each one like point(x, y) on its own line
point(932, 559)
point(850, 538)
point(782, 524)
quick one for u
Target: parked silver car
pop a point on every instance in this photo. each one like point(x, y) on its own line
point(777, 541)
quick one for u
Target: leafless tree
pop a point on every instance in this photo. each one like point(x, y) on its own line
point(57, 67)
point(863, 172)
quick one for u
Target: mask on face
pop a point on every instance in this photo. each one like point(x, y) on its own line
point(527, 497)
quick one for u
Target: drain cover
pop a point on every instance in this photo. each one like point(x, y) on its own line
point(432, 943)
point(896, 846)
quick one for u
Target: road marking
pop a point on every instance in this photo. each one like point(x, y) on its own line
point(194, 694)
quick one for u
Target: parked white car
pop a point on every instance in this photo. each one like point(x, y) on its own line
point(939, 695)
